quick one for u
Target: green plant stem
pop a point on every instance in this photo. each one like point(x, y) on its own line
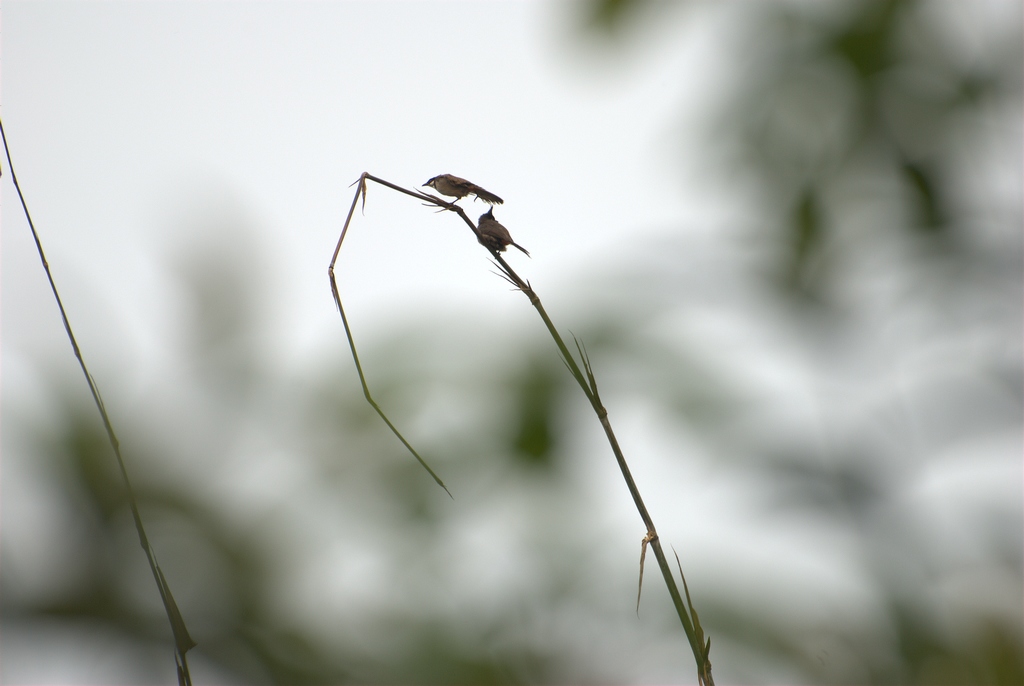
point(687, 614)
point(182, 641)
point(366, 388)
point(589, 386)
point(361, 192)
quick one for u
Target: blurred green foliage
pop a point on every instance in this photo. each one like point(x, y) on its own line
point(855, 119)
point(847, 105)
point(853, 91)
point(609, 16)
point(536, 432)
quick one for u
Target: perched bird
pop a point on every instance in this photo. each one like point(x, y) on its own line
point(493, 235)
point(453, 186)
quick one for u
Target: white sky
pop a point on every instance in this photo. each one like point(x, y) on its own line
point(130, 121)
point(135, 125)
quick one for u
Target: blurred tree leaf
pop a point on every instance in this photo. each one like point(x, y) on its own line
point(535, 393)
point(610, 16)
point(921, 180)
point(867, 41)
point(807, 238)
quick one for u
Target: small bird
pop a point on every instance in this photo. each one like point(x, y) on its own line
point(453, 186)
point(493, 235)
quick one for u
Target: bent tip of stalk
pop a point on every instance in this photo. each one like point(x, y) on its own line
point(430, 471)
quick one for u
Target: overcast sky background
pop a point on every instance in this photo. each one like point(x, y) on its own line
point(144, 134)
point(127, 120)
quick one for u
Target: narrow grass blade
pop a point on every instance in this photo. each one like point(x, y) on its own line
point(182, 641)
point(640, 585)
point(704, 668)
point(361, 191)
point(366, 389)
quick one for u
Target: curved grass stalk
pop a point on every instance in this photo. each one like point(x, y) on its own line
point(361, 193)
point(588, 383)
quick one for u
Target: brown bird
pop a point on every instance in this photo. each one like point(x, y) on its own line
point(493, 235)
point(453, 186)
